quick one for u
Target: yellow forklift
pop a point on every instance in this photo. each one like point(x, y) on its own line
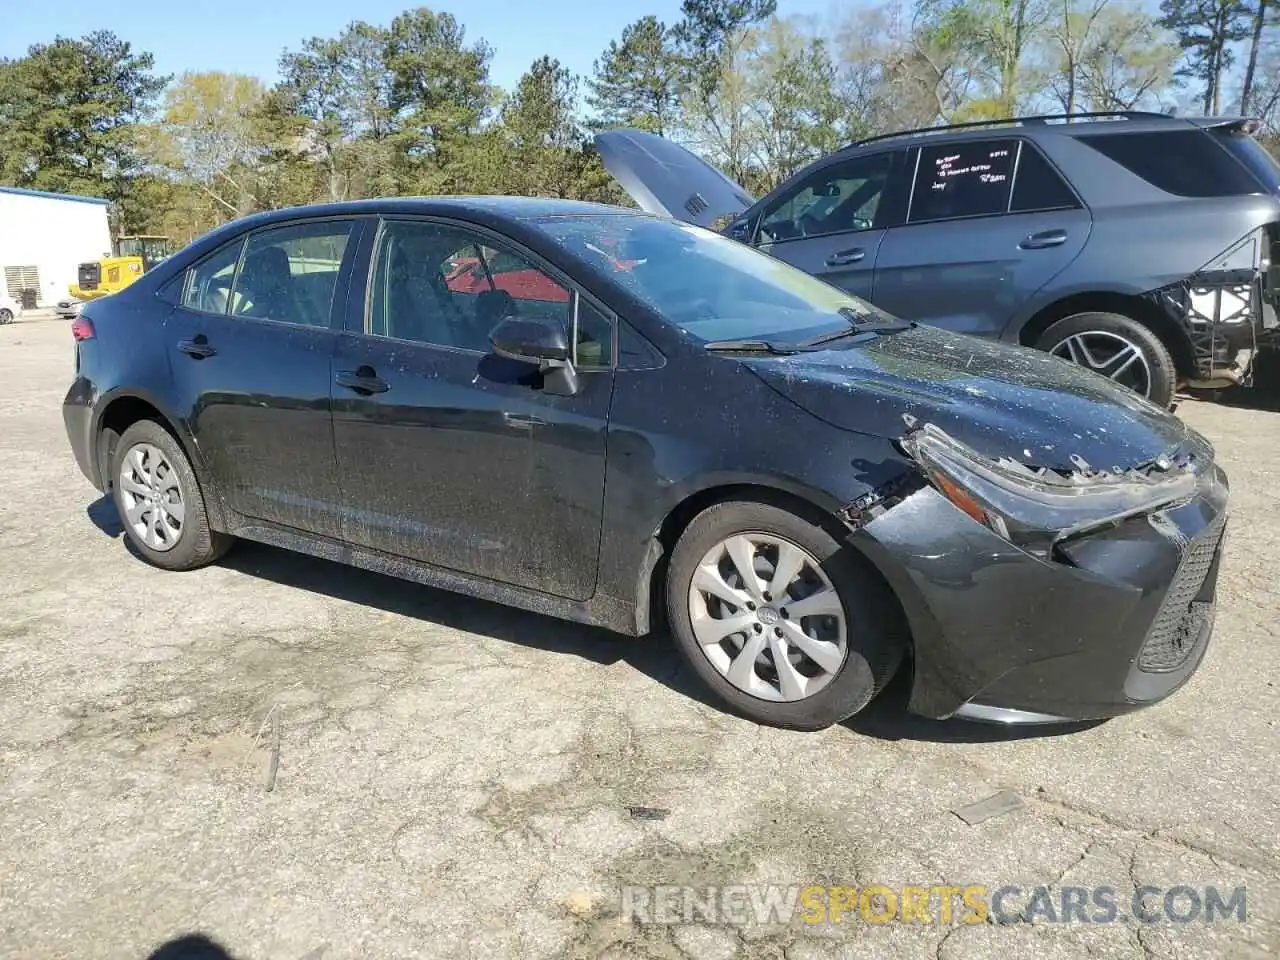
point(130, 258)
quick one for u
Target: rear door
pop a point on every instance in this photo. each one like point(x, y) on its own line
point(250, 345)
point(990, 222)
point(831, 222)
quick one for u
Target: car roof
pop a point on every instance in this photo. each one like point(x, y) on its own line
point(1038, 126)
point(508, 208)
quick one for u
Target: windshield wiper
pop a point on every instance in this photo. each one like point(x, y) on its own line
point(752, 346)
point(860, 323)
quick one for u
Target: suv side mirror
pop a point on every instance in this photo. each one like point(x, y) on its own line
point(739, 230)
point(540, 343)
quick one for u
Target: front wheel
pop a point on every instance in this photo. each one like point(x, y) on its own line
point(159, 501)
point(6, 315)
point(783, 624)
point(1118, 347)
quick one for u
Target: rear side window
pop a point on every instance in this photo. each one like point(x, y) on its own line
point(207, 286)
point(1038, 186)
point(1186, 163)
point(289, 274)
point(1253, 155)
point(968, 179)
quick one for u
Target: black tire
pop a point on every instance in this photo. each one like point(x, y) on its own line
point(876, 636)
point(196, 544)
point(1162, 372)
point(6, 315)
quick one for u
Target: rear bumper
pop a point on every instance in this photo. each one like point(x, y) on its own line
point(77, 416)
point(1120, 620)
point(1227, 316)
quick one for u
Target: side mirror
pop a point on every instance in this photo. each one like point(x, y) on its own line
point(543, 344)
point(739, 230)
point(529, 340)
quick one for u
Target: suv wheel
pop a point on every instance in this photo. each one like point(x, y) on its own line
point(1117, 347)
point(159, 501)
point(786, 627)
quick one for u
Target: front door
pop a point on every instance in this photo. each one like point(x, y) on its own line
point(831, 223)
point(250, 345)
point(450, 455)
point(987, 229)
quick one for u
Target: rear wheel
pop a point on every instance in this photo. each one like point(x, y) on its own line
point(159, 501)
point(1118, 347)
point(784, 625)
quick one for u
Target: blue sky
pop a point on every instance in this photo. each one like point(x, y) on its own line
point(247, 36)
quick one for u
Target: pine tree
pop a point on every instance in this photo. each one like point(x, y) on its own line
point(635, 82)
point(1206, 30)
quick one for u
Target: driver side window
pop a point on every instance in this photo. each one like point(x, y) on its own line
point(842, 197)
point(444, 286)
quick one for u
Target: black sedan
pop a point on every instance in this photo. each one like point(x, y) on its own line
point(628, 421)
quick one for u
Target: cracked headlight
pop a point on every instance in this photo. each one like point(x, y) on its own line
point(1036, 508)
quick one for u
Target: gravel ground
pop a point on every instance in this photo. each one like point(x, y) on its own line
point(454, 778)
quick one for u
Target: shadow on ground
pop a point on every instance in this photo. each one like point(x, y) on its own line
point(1265, 392)
point(888, 718)
point(655, 655)
point(192, 947)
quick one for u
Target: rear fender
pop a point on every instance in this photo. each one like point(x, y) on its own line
point(103, 435)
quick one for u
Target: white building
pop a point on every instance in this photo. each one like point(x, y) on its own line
point(44, 237)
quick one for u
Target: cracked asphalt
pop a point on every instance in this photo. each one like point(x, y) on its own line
point(453, 778)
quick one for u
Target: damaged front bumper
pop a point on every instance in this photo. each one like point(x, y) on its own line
point(1109, 621)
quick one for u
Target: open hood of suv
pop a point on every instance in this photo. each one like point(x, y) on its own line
point(666, 179)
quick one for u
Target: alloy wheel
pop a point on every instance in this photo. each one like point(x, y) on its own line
point(1109, 354)
point(767, 617)
point(152, 497)
point(6, 315)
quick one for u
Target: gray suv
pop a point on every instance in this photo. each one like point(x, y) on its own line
point(1136, 244)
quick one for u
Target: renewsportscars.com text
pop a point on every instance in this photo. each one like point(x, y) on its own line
point(743, 904)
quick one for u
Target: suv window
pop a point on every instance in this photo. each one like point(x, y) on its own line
point(207, 285)
point(971, 178)
point(444, 286)
point(839, 198)
point(289, 273)
point(1038, 186)
point(1252, 154)
point(1186, 163)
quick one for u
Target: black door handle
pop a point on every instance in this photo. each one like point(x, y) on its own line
point(363, 380)
point(197, 347)
point(1044, 240)
point(843, 258)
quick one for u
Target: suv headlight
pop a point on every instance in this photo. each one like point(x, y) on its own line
point(1036, 508)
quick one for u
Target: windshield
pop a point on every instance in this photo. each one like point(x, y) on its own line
point(708, 285)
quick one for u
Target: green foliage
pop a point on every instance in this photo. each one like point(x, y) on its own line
point(636, 81)
point(69, 112)
point(1206, 31)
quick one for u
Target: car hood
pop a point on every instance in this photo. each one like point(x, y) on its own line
point(1001, 400)
point(664, 178)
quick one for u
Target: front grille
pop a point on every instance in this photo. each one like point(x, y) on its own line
point(1182, 616)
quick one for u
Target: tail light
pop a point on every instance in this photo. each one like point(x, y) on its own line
point(82, 329)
